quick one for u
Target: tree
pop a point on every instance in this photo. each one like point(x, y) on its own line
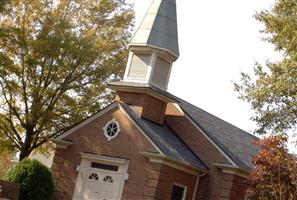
point(56, 58)
point(275, 175)
point(6, 163)
point(2, 4)
point(35, 179)
point(273, 93)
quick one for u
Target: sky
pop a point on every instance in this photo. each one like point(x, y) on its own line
point(218, 40)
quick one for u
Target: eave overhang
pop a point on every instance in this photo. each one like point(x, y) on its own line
point(174, 163)
point(63, 144)
point(229, 169)
point(164, 53)
point(124, 86)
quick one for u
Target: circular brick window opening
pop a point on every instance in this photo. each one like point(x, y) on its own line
point(111, 129)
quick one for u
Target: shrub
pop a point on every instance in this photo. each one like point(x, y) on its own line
point(35, 179)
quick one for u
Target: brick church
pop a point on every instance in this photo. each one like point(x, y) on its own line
point(149, 144)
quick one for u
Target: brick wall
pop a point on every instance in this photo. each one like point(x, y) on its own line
point(209, 186)
point(146, 180)
point(9, 190)
point(148, 107)
point(153, 109)
point(233, 187)
point(90, 138)
point(238, 188)
point(160, 180)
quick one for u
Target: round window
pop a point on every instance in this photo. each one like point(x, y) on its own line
point(111, 129)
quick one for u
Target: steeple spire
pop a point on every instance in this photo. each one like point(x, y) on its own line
point(154, 46)
point(159, 28)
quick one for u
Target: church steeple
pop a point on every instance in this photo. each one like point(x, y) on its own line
point(153, 49)
point(154, 46)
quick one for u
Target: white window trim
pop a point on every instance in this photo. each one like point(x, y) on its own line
point(182, 186)
point(106, 126)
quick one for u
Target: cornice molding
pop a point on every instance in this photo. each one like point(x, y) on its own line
point(229, 169)
point(140, 89)
point(105, 159)
point(62, 144)
point(174, 163)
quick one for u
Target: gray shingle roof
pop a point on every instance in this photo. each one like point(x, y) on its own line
point(165, 138)
point(235, 142)
point(238, 144)
point(159, 27)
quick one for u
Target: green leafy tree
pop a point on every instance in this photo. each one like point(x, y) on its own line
point(273, 92)
point(56, 57)
point(275, 175)
point(2, 4)
point(34, 178)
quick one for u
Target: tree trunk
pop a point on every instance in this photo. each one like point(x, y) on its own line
point(26, 150)
point(24, 154)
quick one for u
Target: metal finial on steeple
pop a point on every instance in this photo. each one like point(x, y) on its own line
point(159, 28)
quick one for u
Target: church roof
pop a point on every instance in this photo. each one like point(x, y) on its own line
point(166, 140)
point(159, 28)
point(236, 143)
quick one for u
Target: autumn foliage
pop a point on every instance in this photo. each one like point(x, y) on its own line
point(6, 162)
point(275, 175)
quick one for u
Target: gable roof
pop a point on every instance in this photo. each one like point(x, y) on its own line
point(161, 136)
point(166, 140)
point(236, 143)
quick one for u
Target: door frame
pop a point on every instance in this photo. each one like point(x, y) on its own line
point(87, 159)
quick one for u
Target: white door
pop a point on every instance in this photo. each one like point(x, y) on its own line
point(100, 178)
point(101, 184)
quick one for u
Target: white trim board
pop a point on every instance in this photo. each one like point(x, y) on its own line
point(87, 121)
point(229, 169)
point(104, 159)
point(184, 187)
point(174, 163)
